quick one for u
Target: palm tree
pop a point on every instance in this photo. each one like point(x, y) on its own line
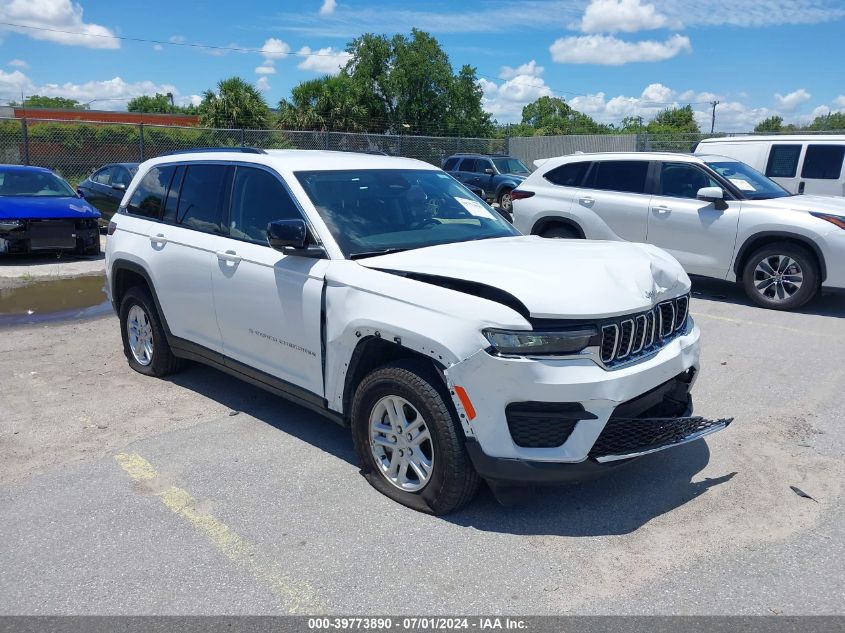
point(235, 104)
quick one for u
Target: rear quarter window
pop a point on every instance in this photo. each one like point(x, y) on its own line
point(569, 175)
point(450, 164)
point(783, 161)
point(148, 198)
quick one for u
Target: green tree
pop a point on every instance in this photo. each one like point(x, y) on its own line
point(464, 114)
point(770, 124)
point(833, 121)
point(37, 101)
point(331, 102)
point(235, 104)
point(549, 116)
point(674, 120)
point(158, 104)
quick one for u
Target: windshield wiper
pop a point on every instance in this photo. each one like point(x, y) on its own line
point(386, 251)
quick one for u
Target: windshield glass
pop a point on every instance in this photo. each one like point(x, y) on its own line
point(750, 182)
point(373, 211)
point(511, 166)
point(18, 182)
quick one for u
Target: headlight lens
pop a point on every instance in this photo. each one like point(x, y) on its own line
point(529, 342)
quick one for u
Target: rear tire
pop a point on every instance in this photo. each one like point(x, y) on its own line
point(144, 342)
point(781, 276)
point(505, 201)
point(395, 406)
point(561, 232)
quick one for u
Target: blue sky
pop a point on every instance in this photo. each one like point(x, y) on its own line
point(608, 58)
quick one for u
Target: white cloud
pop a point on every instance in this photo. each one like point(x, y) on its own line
point(789, 102)
point(263, 84)
point(506, 100)
point(176, 39)
point(17, 63)
point(158, 48)
point(610, 51)
point(840, 101)
point(266, 69)
point(326, 60)
point(531, 69)
point(275, 48)
point(328, 7)
point(57, 15)
point(627, 16)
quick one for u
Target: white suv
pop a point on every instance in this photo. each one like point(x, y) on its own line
point(383, 294)
point(719, 217)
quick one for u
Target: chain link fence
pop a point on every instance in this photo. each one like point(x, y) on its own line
point(76, 148)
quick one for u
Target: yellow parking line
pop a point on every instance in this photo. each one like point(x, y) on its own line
point(299, 596)
point(756, 324)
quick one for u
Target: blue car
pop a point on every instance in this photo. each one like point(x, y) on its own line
point(40, 211)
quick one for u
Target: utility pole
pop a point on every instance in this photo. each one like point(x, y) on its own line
point(713, 118)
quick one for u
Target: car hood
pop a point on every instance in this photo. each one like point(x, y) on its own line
point(549, 279)
point(806, 203)
point(43, 208)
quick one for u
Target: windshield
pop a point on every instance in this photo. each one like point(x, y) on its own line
point(373, 211)
point(511, 166)
point(18, 182)
point(750, 182)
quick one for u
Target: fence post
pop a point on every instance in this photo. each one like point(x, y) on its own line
point(327, 139)
point(508, 140)
point(638, 146)
point(25, 133)
point(141, 141)
point(243, 138)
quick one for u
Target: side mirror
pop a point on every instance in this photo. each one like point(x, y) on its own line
point(291, 238)
point(716, 195)
point(489, 171)
point(119, 186)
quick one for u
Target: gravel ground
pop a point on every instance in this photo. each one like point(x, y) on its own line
point(121, 494)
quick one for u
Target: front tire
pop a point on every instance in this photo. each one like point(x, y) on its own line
point(781, 276)
point(408, 439)
point(144, 342)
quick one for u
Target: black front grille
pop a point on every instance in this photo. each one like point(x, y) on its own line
point(543, 424)
point(632, 336)
point(623, 436)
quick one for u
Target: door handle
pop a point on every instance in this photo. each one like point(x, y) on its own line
point(228, 256)
point(587, 201)
point(158, 239)
point(661, 210)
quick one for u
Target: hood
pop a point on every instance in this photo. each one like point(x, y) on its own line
point(545, 278)
point(45, 208)
point(805, 203)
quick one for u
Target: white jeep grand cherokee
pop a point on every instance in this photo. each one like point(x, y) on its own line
point(382, 293)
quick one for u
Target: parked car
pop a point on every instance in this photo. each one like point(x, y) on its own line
point(105, 187)
point(381, 293)
point(39, 211)
point(719, 217)
point(800, 163)
point(496, 176)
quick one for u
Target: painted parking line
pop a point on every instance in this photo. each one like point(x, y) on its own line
point(298, 596)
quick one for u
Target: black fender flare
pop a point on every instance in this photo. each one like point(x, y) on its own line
point(119, 265)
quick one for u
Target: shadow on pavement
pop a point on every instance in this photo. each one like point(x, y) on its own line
point(828, 304)
point(617, 503)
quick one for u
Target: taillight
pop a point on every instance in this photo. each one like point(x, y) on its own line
point(836, 220)
point(518, 194)
point(111, 228)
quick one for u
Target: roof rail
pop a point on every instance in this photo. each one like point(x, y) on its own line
point(242, 150)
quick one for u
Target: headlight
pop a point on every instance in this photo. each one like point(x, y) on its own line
point(529, 343)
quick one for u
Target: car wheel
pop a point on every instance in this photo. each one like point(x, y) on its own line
point(408, 439)
point(781, 276)
point(561, 232)
point(506, 201)
point(144, 342)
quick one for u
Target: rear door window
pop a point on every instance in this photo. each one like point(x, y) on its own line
point(628, 176)
point(783, 161)
point(201, 197)
point(823, 162)
point(148, 199)
point(468, 164)
point(258, 198)
point(569, 175)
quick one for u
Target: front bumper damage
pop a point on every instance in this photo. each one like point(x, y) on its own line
point(552, 421)
point(62, 234)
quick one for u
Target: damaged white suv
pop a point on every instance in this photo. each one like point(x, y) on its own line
point(382, 293)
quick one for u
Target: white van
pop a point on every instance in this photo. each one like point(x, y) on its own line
point(801, 163)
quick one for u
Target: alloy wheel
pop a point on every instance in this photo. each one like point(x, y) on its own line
point(401, 443)
point(778, 277)
point(140, 334)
